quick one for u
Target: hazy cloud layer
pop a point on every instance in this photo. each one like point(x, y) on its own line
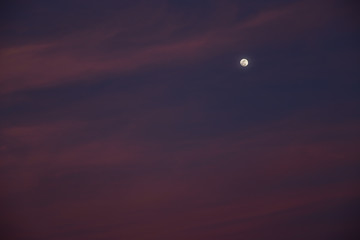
point(132, 120)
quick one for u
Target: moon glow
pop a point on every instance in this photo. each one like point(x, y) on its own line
point(244, 62)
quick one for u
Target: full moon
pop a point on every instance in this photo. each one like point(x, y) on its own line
point(244, 62)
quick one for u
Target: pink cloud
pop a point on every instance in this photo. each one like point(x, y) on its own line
point(82, 54)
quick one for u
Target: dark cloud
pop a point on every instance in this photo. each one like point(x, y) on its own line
point(132, 120)
point(140, 37)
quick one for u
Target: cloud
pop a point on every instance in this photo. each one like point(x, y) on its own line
point(202, 187)
point(92, 146)
point(155, 39)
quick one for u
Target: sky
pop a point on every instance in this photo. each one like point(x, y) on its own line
point(133, 120)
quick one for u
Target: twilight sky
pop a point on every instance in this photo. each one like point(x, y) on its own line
point(132, 120)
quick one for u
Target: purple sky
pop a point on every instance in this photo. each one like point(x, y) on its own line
point(133, 120)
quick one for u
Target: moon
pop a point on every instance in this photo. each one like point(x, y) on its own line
point(244, 62)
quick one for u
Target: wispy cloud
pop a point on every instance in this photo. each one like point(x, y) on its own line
point(115, 47)
point(173, 154)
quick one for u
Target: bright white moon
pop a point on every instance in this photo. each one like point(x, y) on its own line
point(244, 62)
